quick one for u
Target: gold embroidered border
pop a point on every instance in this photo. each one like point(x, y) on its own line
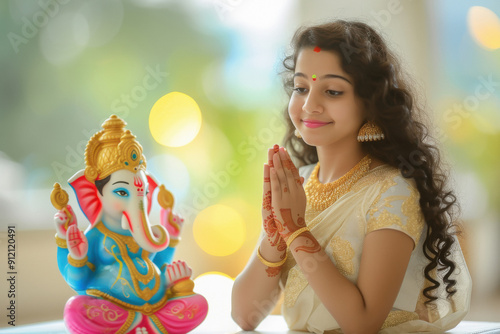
point(410, 208)
point(343, 253)
point(387, 183)
point(398, 317)
point(378, 174)
point(146, 308)
point(375, 175)
point(295, 284)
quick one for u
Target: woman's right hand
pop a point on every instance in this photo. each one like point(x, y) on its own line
point(272, 234)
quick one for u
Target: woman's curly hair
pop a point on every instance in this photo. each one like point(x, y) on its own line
point(389, 101)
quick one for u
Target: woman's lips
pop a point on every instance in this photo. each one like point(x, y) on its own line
point(315, 124)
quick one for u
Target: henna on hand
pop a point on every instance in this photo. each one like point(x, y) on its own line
point(271, 231)
point(266, 202)
point(273, 271)
point(282, 247)
point(289, 225)
point(288, 164)
point(270, 227)
point(311, 244)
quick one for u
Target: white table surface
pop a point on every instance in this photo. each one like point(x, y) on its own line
point(271, 325)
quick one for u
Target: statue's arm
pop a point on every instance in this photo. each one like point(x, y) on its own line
point(164, 257)
point(77, 266)
point(173, 224)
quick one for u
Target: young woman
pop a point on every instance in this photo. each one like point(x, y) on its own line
point(367, 244)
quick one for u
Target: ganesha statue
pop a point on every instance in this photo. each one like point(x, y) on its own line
point(121, 266)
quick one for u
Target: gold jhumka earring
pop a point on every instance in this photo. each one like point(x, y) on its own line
point(370, 132)
point(297, 134)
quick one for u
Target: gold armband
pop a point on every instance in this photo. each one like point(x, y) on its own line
point(61, 242)
point(173, 242)
point(295, 234)
point(270, 264)
point(77, 263)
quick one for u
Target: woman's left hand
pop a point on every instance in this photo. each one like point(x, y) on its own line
point(287, 193)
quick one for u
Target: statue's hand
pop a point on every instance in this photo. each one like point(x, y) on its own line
point(78, 244)
point(62, 222)
point(177, 271)
point(172, 222)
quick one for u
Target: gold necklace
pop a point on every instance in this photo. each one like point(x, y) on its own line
point(123, 242)
point(320, 196)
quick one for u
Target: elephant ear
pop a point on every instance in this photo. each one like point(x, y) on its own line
point(86, 193)
point(153, 184)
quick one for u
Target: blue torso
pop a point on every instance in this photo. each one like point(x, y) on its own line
point(117, 267)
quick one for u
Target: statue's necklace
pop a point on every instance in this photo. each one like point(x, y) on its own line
point(320, 196)
point(123, 242)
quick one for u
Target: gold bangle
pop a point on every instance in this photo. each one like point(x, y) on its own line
point(295, 234)
point(77, 263)
point(270, 264)
point(173, 242)
point(61, 242)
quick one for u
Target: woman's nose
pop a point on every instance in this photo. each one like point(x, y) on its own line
point(312, 104)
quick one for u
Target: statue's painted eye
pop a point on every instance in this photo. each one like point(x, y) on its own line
point(121, 192)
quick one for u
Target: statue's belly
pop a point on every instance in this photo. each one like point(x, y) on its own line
point(142, 284)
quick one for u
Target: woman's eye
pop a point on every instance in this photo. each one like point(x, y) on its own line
point(334, 92)
point(300, 90)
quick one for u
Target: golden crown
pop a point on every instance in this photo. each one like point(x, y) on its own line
point(112, 149)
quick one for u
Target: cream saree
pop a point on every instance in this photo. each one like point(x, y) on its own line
point(383, 198)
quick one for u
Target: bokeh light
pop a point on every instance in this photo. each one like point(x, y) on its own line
point(484, 26)
point(216, 288)
point(171, 171)
point(64, 38)
point(175, 120)
point(251, 213)
point(219, 230)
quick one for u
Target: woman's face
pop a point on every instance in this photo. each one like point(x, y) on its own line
point(324, 93)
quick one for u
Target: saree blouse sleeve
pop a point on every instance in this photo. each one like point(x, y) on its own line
point(397, 207)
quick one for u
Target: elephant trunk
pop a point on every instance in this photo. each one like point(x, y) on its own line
point(150, 238)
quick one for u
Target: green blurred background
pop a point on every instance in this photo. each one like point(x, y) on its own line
point(67, 65)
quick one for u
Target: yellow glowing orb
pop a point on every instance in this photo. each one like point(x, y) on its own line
point(219, 230)
point(175, 120)
point(484, 26)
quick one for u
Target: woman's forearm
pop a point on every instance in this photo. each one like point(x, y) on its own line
point(256, 290)
point(341, 297)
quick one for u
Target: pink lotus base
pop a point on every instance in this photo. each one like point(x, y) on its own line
point(90, 315)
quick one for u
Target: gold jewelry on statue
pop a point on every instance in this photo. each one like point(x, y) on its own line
point(297, 134)
point(61, 242)
point(145, 308)
point(370, 132)
point(182, 288)
point(270, 264)
point(173, 242)
point(295, 234)
point(111, 149)
point(77, 263)
point(320, 196)
point(125, 242)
